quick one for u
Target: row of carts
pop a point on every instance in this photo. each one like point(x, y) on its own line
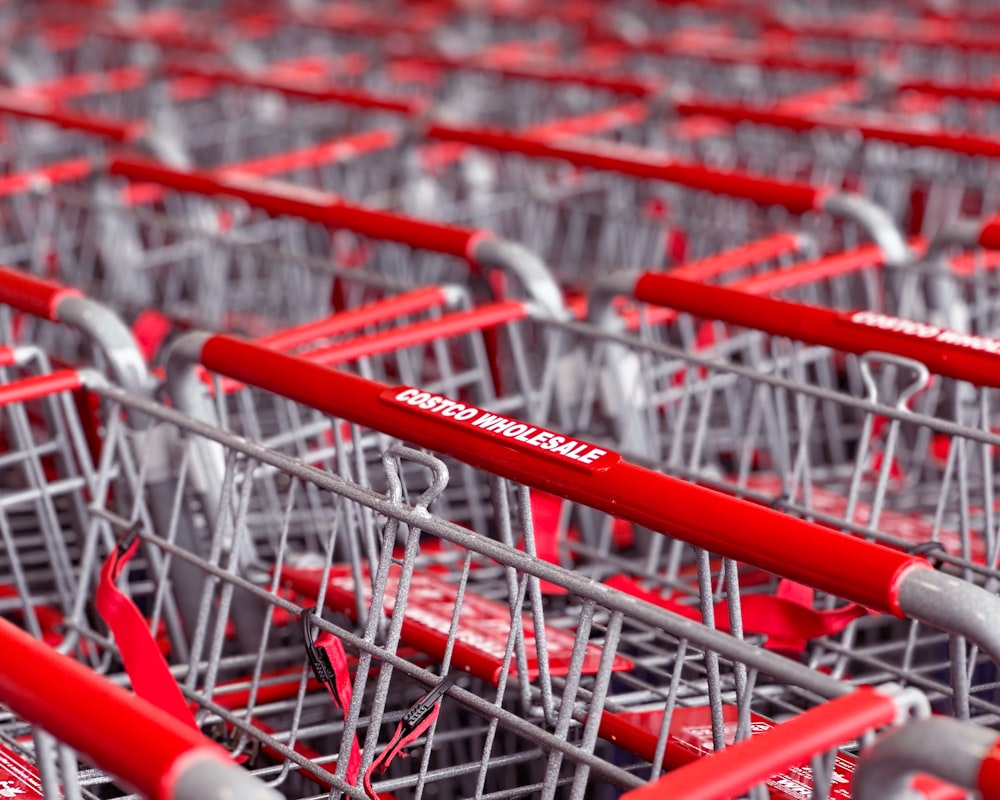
point(499, 400)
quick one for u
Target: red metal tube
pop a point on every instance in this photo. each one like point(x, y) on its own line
point(309, 204)
point(34, 296)
point(114, 730)
point(39, 386)
point(638, 162)
point(731, 772)
point(948, 353)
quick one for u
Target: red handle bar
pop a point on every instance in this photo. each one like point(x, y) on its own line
point(34, 296)
point(954, 355)
point(731, 772)
point(310, 204)
point(639, 162)
point(116, 731)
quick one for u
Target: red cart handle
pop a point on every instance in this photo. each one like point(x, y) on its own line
point(479, 247)
point(949, 353)
point(35, 296)
point(58, 303)
point(965, 143)
point(119, 733)
point(732, 771)
point(640, 162)
point(320, 93)
point(989, 233)
point(311, 204)
point(115, 129)
point(543, 73)
point(869, 574)
point(645, 163)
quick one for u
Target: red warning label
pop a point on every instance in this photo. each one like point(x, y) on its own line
point(18, 778)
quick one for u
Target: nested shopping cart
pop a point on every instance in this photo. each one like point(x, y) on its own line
point(777, 427)
point(271, 91)
point(268, 414)
point(65, 40)
point(258, 261)
point(290, 737)
point(578, 216)
point(575, 694)
point(582, 240)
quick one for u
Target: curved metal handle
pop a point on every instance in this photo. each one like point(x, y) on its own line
point(921, 376)
point(958, 752)
point(874, 220)
point(943, 293)
point(58, 303)
point(953, 605)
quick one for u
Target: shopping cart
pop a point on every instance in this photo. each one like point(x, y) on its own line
point(398, 410)
point(925, 47)
point(572, 219)
point(580, 241)
point(198, 260)
point(218, 110)
point(546, 699)
point(760, 430)
point(63, 40)
point(142, 467)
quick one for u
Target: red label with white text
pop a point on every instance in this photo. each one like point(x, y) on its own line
point(511, 432)
point(924, 330)
point(483, 624)
point(18, 778)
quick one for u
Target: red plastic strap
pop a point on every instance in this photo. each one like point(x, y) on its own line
point(786, 618)
point(341, 692)
point(397, 744)
point(144, 663)
point(151, 329)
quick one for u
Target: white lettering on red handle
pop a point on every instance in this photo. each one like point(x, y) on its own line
point(690, 737)
point(924, 330)
point(509, 431)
